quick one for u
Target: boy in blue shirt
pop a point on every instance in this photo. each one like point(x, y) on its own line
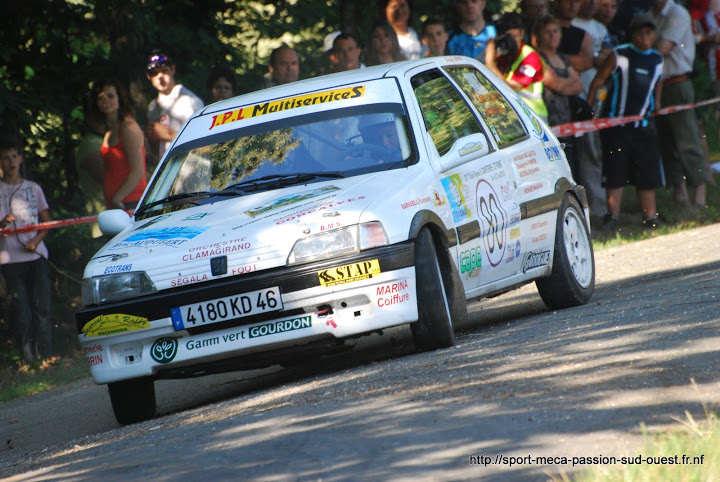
point(631, 152)
point(472, 34)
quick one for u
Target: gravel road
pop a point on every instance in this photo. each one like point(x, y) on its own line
point(522, 382)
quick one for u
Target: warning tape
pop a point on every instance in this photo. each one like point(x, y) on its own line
point(50, 225)
point(581, 127)
point(560, 130)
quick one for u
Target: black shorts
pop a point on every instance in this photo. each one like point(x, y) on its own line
point(631, 155)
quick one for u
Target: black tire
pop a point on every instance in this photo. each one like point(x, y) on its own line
point(572, 281)
point(133, 400)
point(441, 299)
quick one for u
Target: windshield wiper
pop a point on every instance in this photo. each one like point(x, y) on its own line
point(173, 198)
point(283, 179)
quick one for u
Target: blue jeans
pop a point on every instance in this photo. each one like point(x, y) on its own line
point(29, 288)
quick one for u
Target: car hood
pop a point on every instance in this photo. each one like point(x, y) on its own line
point(254, 232)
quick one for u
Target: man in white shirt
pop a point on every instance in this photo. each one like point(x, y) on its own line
point(680, 143)
point(168, 112)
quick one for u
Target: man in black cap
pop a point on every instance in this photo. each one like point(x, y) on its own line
point(173, 106)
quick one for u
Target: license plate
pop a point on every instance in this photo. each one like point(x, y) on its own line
point(228, 308)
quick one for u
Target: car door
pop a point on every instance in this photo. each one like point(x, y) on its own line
point(472, 177)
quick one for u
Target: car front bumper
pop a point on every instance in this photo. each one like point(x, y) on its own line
point(312, 312)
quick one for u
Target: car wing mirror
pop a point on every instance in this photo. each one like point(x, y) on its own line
point(113, 221)
point(465, 150)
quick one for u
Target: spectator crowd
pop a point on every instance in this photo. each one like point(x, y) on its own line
point(569, 60)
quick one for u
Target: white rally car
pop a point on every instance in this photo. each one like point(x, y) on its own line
point(288, 222)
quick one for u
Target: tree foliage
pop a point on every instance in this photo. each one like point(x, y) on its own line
point(52, 50)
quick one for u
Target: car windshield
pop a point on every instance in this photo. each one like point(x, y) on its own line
point(311, 148)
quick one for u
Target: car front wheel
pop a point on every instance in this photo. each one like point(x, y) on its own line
point(441, 300)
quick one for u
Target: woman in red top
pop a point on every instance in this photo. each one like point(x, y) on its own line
point(123, 147)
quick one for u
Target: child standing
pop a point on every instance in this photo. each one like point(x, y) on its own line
point(630, 152)
point(23, 256)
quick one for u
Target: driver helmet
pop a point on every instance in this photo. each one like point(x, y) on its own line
point(371, 126)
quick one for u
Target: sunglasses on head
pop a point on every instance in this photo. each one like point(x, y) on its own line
point(158, 58)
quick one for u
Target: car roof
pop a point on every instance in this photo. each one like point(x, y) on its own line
point(329, 81)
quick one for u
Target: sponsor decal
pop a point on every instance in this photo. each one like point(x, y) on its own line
point(313, 209)
point(470, 260)
point(515, 215)
point(469, 148)
point(164, 350)
point(535, 187)
point(198, 343)
point(505, 191)
point(93, 355)
point(196, 217)
point(331, 226)
point(277, 327)
point(517, 249)
point(186, 280)
point(438, 199)
point(524, 155)
point(111, 257)
point(488, 97)
point(171, 237)
point(494, 110)
point(118, 268)
point(525, 167)
point(454, 189)
point(287, 104)
point(291, 199)
point(514, 233)
point(484, 171)
point(392, 294)
point(415, 202)
point(538, 225)
point(216, 249)
point(349, 273)
point(538, 130)
point(553, 153)
point(104, 325)
point(244, 269)
point(493, 221)
point(152, 221)
point(536, 259)
point(537, 239)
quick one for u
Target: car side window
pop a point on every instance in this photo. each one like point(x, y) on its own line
point(498, 114)
point(447, 116)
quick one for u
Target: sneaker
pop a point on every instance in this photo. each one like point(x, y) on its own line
point(610, 223)
point(653, 222)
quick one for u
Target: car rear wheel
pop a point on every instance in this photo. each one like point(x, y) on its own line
point(441, 300)
point(572, 280)
point(133, 400)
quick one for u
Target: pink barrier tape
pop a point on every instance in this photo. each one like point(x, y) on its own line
point(50, 225)
point(581, 127)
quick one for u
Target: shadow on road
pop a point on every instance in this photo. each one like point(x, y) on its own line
point(520, 376)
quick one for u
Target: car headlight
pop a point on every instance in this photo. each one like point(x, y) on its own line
point(339, 242)
point(115, 287)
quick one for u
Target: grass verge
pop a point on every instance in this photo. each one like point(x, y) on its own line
point(689, 453)
point(18, 379)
